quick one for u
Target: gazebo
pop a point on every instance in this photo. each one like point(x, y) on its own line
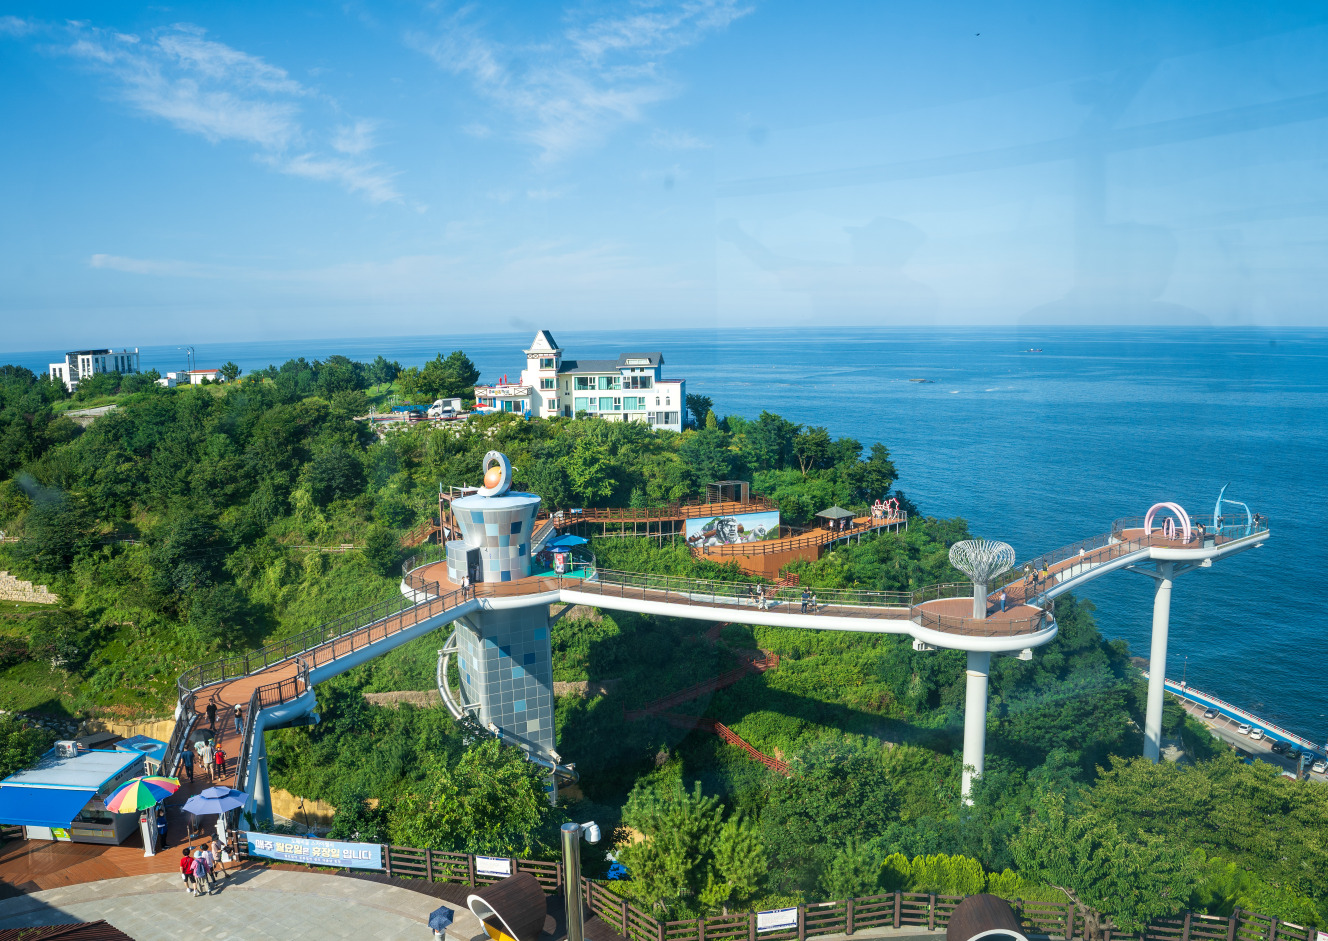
point(833, 515)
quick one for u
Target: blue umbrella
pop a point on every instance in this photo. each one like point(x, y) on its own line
point(439, 919)
point(216, 800)
point(564, 541)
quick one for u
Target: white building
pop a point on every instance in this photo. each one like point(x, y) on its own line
point(79, 364)
point(629, 388)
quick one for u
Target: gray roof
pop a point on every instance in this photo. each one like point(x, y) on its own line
point(90, 769)
point(835, 513)
point(609, 365)
point(542, 339)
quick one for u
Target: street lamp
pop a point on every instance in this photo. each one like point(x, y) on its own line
point(571, 838)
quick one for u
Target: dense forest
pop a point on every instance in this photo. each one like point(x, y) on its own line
point(192, 521)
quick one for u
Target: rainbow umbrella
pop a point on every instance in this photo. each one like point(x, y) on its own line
point(141, 794)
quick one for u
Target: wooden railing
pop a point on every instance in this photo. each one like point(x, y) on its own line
point(807, 540)
point(930, 910)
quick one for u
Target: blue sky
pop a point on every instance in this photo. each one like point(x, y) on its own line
point(193, 173)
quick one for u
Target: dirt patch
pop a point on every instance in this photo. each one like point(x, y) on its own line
point(586, 689)
point(421, 698)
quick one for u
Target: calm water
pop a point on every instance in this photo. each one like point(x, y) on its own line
point(1039, 450)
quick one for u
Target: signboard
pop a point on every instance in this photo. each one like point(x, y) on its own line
point(493, 866)
point(294, 849)
point(731, 530)
point(1322, 936)
point(781, 919)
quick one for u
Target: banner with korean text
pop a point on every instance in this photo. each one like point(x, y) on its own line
point(294, 849)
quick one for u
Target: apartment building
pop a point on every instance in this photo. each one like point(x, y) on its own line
point(79, 364)
point(629, 388)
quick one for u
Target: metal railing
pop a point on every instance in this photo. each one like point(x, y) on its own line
point(264, 697)
point(804, 540)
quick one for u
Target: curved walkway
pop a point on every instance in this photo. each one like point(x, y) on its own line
point(250, 905)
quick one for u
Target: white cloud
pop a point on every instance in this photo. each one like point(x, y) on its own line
point(547, 193)
point(14, 26)
point(676, 140)
point(571, 91)
point(204, 87)
point(356, 138)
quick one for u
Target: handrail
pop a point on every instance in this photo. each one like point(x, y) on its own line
point(813, 537)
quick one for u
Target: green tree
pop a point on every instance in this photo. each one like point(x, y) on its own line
point(382, 370)
point(872, 479)
point(852, 873)
point(358, 822)
point(382, 550)
point(768, 442)
point(334, 474)
point(812, 449)
point(706, 454)
point(21, 745)
point(454, 376)
point(1135, 880)
point(590, 470)
point(491, 800)
point(61, 638)
point(699, 406)
point(186, 554)
point(229, 371)
point(55, 530)
point(689, 854)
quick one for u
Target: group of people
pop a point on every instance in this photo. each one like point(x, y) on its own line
point(207, 749)
point(885, 510)
point(199, 866)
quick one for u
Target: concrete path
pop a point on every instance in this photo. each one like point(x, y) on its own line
point(252, 905)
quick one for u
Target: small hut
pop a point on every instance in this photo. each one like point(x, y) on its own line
point(830, 518)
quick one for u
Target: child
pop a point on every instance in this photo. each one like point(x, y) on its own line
point(187, 870)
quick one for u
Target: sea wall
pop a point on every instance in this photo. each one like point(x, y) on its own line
point(12, 589)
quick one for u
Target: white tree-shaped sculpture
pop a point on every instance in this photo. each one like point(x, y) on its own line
point(981, 560)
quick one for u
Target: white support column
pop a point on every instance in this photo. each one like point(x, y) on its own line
point(979, 601)
point(262, 791)
point(975, 718)
point(1157, 661)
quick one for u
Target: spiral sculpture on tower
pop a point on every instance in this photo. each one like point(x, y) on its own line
point(981, 560)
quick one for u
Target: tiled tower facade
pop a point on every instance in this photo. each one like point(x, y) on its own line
point(504, 656)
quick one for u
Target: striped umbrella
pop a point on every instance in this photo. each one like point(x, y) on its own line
point(141, 793)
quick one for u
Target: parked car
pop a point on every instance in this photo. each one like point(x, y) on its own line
point(1278, 748)
point(1311, 759)
point(1320, 766)
point(1256, 735)
point(1210, 713)
point(1243, 729)
point(1292, 752)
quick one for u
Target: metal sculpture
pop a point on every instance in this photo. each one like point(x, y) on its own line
point(1179, 511)
point(497, 475)
point(981, 560)
point(1219, 522)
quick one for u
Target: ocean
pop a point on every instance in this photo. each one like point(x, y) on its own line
point(1036, 449)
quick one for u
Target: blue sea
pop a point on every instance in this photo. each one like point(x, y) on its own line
point(1036, 449)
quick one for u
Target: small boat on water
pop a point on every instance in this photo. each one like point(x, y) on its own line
point(1036, 349)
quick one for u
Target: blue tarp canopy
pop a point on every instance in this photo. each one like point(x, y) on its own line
point(564, 541)
point(42, 806)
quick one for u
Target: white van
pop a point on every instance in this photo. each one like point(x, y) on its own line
point(445, 408)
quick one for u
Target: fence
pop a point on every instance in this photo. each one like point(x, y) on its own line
point(930, 910)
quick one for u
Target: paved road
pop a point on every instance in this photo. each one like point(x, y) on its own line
point(1224, 728)
point(255, 905)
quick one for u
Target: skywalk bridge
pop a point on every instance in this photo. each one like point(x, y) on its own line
point(275, 683)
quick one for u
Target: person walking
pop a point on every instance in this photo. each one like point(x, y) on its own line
point(465, 586)
point(187, 870)
point(205, 752)
point(187, 759)
point(806, 596)
point(1002, 601)
point(239, 718)
point(219, 857)
point(212, 716)
point(200, 872)
point(218, 762)
point(760, 597)
point(205, 852)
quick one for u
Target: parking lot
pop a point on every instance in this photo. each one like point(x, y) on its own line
point(1224, 727)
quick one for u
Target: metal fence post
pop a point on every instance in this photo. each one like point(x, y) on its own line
point(898, 899)
point(428, 864)
point(1232, 923)
point(931, 912)
point(802, 922)
point(387, 858)
point(470, 863)
point(751, 926)
point(1185, 928)
point(848, 917)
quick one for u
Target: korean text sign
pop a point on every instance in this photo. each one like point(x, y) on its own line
point(294, 849)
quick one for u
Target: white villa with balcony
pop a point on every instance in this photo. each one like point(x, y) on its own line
point(79, 364)
point(629, 388)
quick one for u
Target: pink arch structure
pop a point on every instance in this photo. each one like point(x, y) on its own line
point(1180, 515)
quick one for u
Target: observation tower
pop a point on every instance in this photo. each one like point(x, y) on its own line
point(493, 591)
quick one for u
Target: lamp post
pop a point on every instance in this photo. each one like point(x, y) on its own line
point(571, 840)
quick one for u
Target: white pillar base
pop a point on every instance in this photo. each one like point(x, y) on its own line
point(1157, 661)
point(975, 719)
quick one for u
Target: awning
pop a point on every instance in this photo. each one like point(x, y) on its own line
point(42, 806)
point(564, 541)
